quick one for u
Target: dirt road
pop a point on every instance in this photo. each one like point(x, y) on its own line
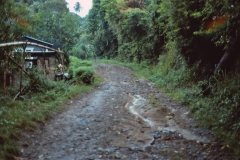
point(125, 118)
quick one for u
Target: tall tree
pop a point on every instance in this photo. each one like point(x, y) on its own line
point(13, 25)
point(14, 21)
point(102, 34)
point(77, 7)
point(54, 23)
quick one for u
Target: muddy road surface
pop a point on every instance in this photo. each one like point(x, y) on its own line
point(125, 118)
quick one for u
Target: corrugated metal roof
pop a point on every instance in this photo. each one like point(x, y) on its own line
point(38, 40)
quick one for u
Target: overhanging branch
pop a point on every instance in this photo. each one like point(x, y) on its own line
point(28, 43)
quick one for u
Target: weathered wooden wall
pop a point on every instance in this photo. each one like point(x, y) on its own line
point(49, 64)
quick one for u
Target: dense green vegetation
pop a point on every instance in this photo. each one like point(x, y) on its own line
point(190, 49)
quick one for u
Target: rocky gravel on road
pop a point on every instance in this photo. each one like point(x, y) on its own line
point(125, 118)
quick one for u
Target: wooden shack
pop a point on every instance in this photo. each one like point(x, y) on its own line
point(40, 57)
point(31, 53)
point(35, 53)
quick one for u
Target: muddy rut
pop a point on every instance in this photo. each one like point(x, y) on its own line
point(125, 118)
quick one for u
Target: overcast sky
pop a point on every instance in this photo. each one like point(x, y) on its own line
point(86, 6)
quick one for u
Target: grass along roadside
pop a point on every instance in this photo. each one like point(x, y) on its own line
point(34, 108)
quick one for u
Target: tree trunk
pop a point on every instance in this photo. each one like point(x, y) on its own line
point(5, 76)
point(229, 56)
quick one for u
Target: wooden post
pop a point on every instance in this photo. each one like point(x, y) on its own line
point(23, 58)
point(7, 56)
point(5, 75)
point(61, 56)
point(44, 65)
point(11, 79)
point(63, 66)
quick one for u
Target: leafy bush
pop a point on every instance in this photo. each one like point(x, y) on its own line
point(74, 62)
point(85, 63)
point(39, 83)
point(84, 74)
point(81, 71)
point(220, 109)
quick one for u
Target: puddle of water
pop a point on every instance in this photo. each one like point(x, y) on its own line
point(139, 102)
point(132, 109)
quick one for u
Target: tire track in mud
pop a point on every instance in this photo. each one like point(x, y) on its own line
point(120, 121)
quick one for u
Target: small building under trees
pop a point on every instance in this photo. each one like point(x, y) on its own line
point(42, 57)
point(17, 58)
